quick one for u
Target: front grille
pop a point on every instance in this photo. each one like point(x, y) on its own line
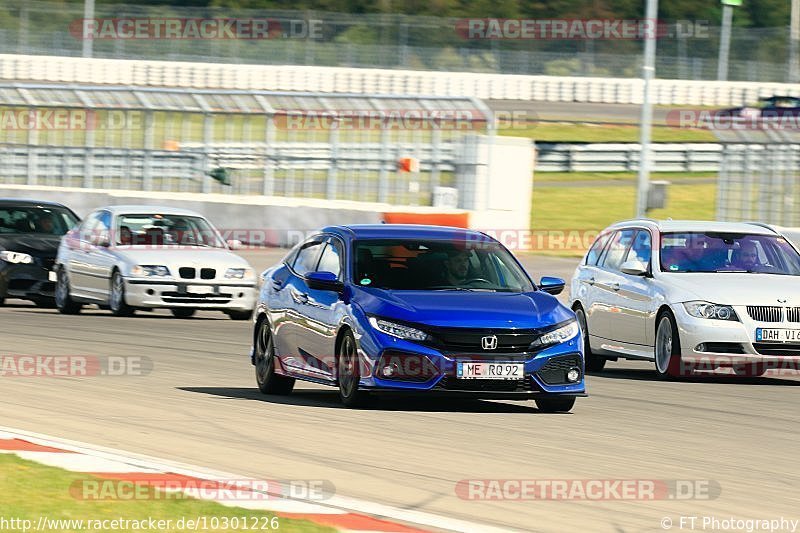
point(208, 273)
point(486, 385)
point(187, 272)
point(768, 348)
point(554, 372)
point(765, 313)
point(793, 314)
point(46, 262)
point(466, 340)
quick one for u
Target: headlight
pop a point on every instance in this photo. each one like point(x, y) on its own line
point(238, 273)
point(564, 333)
point(15, 257)
point(150, 271)
point(700, 309)
point(397, 330)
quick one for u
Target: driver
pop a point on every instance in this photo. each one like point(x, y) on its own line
point(748, 256)
point(44, 224)
point(456, 266)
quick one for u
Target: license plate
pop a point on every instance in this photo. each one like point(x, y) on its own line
point(777, 335)
point(51, 276)
point(479, 370)
point(200, 289)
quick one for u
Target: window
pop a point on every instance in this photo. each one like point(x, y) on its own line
point(615, 253)
point(50, 220)
point(597, 249)
point(641, 248)
point(90, 226)
point(306, 260)
point(330, 260)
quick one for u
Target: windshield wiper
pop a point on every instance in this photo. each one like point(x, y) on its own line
point(467, 289)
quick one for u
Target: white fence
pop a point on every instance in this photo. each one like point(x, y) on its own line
point(621, 157)
point(381, 81)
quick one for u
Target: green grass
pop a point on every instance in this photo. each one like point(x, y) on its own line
point(608, 133)
point(594, 208)
point(567, 177)
point(31, 490)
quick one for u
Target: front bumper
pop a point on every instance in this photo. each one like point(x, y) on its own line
point(543, 370)
point(26, 281)
point(709, 344)
point(212, 294)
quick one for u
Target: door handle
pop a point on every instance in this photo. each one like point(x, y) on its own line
point(590, 281)
point(299, 297)
point(277, 284)
point(614, 286)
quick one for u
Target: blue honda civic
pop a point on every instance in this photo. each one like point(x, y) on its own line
point(423, 309)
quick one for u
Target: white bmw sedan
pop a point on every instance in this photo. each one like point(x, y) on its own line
point(690, 296)
point(144, 257)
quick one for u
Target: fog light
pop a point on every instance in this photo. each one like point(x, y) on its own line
point(573, 374)
point(150, 292)
point(390, 370)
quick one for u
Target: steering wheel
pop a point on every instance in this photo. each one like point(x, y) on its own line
point(477, 280)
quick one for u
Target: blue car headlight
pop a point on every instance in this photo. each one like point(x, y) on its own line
point(400, 331)
point(564, 333)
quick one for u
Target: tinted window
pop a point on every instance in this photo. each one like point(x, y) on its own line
point(306, 260)
point(617, 248)
point(330, 260)
point(728, 252)
point(641, 250)
point(406, 264)
point(597, 249)
point(51, 220)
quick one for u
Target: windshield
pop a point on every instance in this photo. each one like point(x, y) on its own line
point(166, 230)
point(34, 219)
point(728, 252)
point(405, 264)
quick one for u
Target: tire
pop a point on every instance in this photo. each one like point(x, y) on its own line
point(667, 347)
point(64, 302)
point(116, 300)
point(264, 358)
point(556, 404)
point(349, 372)
point(240, 315)
point(182, 312)
point(594, 363)
point(750, 370)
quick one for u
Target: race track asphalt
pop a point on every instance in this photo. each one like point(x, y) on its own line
point(199, 405)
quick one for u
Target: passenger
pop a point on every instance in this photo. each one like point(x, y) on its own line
point(125, 236)
point(747, 258)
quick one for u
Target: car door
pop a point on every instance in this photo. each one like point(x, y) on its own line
point(636, 294)
point(297, 327)
point(583, 286)
point(78, 260)
point(318, 344)
point(100, 258)
point(606, 305)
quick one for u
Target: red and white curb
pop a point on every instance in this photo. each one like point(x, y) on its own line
point(342, 513)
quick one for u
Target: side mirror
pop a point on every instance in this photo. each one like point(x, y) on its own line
point(634, 268)
point(551, 285)
point(235, 244)
point(100, 239)
point(324, 281)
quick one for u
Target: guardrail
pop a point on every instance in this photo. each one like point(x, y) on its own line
point(58, 69)
point(621, 157)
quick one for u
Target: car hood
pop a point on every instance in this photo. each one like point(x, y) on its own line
point(179, 256)
point(465, 309)
point(734, 288)
point(35, 244)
